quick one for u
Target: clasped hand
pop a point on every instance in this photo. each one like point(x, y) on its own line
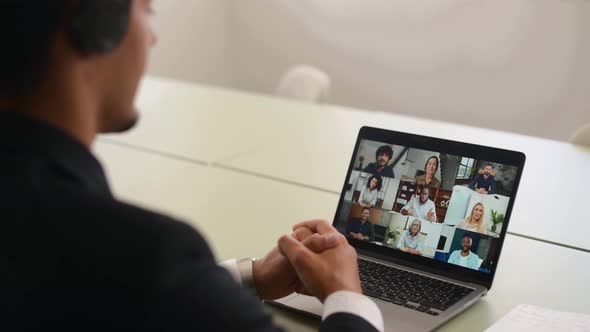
point(316, 260)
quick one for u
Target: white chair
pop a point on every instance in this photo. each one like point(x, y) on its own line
point(306, 83)
point(581, 136)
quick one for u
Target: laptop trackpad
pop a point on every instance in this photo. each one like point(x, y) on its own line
point(308, 304)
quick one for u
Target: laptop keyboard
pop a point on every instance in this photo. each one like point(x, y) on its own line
point(411, 290)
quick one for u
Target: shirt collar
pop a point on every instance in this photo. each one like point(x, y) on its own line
point(66, 155)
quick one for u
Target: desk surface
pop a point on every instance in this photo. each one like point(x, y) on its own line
point(231, 209)
point(237, 213)
point(200, 123)
point(311, 145)
point(552, 191)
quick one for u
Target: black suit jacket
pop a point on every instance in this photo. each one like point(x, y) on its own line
point(75, 258)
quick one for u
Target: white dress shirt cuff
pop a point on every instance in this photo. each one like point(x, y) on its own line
point(355, 304)
point(231, 265)
point(341, 301)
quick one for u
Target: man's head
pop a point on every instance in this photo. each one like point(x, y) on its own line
point(365, 213)
point(466, 242)
point(424, 192)
point(488, 169)
point(91, 53)
point(383, 155)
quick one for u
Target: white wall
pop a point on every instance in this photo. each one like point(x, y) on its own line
point(515, 65)
point(391, 192)
point(193, 41)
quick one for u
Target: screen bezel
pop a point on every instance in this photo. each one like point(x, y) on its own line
point(480, 152)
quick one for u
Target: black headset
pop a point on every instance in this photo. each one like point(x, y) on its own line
point(98, 26)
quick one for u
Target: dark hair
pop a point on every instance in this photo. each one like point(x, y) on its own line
point(27, 30)
point(365, 208)
point(384, 149)
point(469, 236)
point(490, 164)
point(437, 163)
point(379, 181)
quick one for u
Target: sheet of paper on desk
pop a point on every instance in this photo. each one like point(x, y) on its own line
point(526, 318)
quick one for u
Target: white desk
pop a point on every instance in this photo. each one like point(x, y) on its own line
point(204, 124)
point(238, 213)
point(311, 145)
point(243, 215)
point(552, 192)
point(530, 272)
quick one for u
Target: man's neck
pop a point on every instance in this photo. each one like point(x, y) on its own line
point(68, 98)
point(64, 105)
point(486, 176)
point(81, 130)
point(465, 254)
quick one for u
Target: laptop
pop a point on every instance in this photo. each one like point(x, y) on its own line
point(428, 218)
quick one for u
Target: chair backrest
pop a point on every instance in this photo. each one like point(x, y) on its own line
point(581, 136)
point(304, 82)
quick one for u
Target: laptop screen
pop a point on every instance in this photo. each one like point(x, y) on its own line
point(446, 207)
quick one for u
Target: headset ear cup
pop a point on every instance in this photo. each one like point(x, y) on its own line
point(98, 26)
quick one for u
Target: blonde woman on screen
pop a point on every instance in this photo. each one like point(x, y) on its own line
point(475, 221)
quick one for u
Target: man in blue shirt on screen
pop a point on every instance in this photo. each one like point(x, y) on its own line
point(465, 257)
point(362, 228)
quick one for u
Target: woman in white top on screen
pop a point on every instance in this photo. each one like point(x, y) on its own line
point(475, 221)
point(412, 241)
point(370, 192)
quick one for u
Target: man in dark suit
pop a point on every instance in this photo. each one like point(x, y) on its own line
point(73, 256)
